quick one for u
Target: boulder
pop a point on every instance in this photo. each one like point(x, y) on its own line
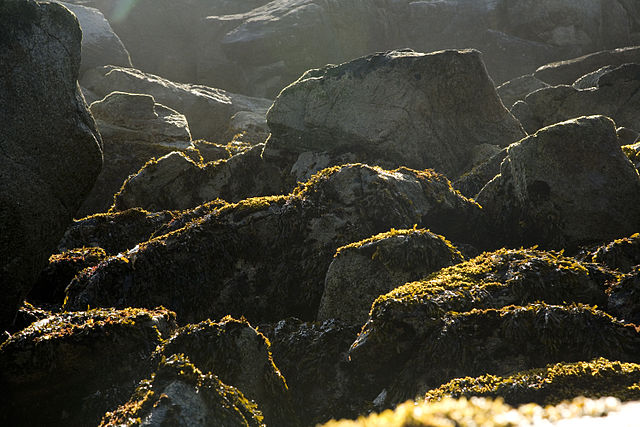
point(624, 297)
point(568, 71)
point(266, 258)
point(100, 45)
point(50, 150)
point(69, 368)
point(239, 356)
point(363, 270)
point(615, 97)
point(208, 110)
point(566, 185)
point(406, 357)
point(134, 130)
point(591, 79)
point(396, 108)
point(518, 88)
point(313, 358)
point(621, 254)
point(550, 385)
point(470, 183)
point(179, 394)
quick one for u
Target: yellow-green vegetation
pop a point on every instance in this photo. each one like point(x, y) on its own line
point(632, 152)
point(621, 254)
point(501, 278)
point(203, 397)
point(251, 205)
point(550, 385)
point(479, 412)
point(79, 255)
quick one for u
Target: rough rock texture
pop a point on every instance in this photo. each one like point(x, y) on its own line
point(518, 88)
point(616, 96)
point(176, 182)
point(591, 80)
point(266, 258)
point(53, 280)
point(50, 151)
point(240, 356)
point(550, 385)
point(568, 71)
point(392, 109)
point(605, 412)
point(134, 130)
point(621, 254)
point(208, 110)
point(471, 182)
point(178, 394)
point(68, 369)
point(624, 297)
point(313, 358)
point(362, 271)
point(568, 184)
point(412, 355)
point(100, 45)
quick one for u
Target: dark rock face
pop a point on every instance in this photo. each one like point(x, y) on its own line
point(615, 96)
point(566, 185)
point(550, 385)
point(179, 394)
point(362, 271)
point(240, 356)
point(68, 369)
point(266, 258)
point(518, 88)
point(624, 297)
point(434, 110)
point(100, 45)
point(621, 254)
point(50, 151)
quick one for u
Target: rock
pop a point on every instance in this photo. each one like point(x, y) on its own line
point(208, 110)
point(396, 108)
point(266, 258)
point(633, 153)
point(621, 254)
point(239, 356)
point(591, 80)
point(624, 297)
point(27, 314)
point(211, 152)
point(134, 130)
point(471, 182)
point(566, 185)
point(362, 271)
point(50, 150)
point(176, 182)
point(408, 358)
point(68, 369)
point(62, 268)
point(516, 89)
point(313, 358)
point(627, 136)
point(568, 71)
point(607, 412)
point(179, 394)
point(550, 385)
point(100, 45)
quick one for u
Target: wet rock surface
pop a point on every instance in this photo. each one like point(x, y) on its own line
point(50, 150)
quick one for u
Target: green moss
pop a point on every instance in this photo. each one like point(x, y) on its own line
point(550, 385)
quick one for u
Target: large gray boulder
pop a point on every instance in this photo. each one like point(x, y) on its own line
point(615, 96)
point(100, 45)
point(50, 150)
point(209, 111)
point(568, 184)
point(396, 108)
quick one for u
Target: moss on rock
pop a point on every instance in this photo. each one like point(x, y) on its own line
point(621, 254)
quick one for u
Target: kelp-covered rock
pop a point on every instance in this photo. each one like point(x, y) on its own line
point(615, 96)
point(621, 254)
point(27, 314)
point(313, 358)
point(606, 412)
point(62, 268)
point(177, 182)
point(68, 369)
point(266, 258)
point(208, 110)
point(240, 357)
point(550, 385)
point(395, 108)
point(568, 184)
point(633, 153)
point(410, 355)
point(518, 88)
point(134, 129)
point(178, 394)
point(624, 297)
point(363, 270)
point(568, 71)
point(50, 150)
point(100, 45)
